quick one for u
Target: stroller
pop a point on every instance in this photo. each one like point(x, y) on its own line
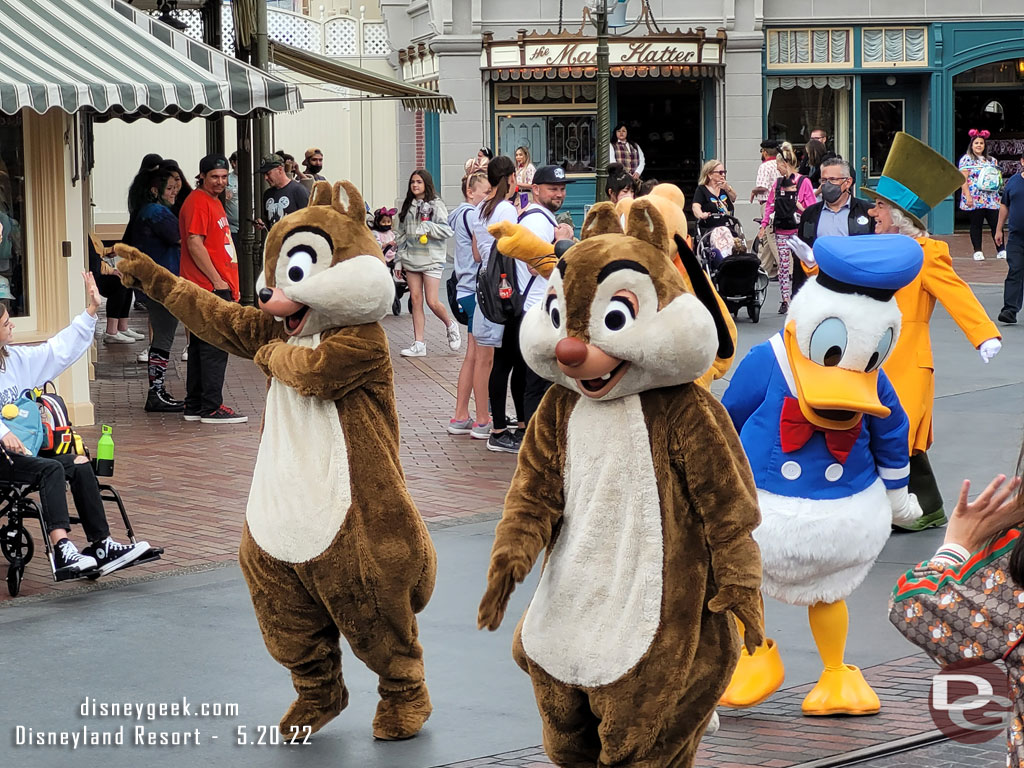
point(401, 287)
point(737, 276)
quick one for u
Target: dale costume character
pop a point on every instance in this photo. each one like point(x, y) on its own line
point(827, 442)
point(333, 544)
point(633, 480)
point(669, 200)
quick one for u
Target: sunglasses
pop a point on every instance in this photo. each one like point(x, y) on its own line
point(722, 173)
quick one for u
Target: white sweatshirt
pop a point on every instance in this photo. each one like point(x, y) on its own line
point(31, 366)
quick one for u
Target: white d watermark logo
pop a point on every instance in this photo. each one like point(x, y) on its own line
point(969, 702)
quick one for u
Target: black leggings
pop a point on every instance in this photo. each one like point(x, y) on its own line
point(51, 474)
point(119, 298)
point(978, 217)
point(507, 360)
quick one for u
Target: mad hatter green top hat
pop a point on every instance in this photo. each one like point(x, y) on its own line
point(915, 179)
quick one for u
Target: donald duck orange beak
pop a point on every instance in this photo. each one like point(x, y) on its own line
point(831, 397)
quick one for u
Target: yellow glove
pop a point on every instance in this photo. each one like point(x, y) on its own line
point(518, 242)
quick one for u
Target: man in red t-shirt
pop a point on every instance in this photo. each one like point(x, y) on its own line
point(208, 260)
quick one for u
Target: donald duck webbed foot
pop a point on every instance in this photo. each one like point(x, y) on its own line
point(841, 691)
point(756, 677)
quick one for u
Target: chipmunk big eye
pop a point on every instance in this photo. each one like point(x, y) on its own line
point(300, 264)
point(618, 315)
point(552, 309)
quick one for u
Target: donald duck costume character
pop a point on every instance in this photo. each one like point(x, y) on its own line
point(827, 441)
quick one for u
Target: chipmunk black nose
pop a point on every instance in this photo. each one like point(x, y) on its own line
point(266, 294)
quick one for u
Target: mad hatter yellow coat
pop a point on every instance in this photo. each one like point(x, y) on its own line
point(911, 368)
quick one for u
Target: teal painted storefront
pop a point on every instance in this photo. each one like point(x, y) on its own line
point(926, 93)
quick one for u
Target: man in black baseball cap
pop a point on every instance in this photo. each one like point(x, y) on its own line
point(283, 195)
point(212, 163)
point(539, 217)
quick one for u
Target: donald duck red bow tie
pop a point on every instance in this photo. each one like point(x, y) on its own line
point(796, 430)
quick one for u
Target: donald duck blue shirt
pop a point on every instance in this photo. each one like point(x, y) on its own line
point(755, 401)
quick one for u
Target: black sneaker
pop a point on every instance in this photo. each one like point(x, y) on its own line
point(223, 415)
point(67, 558)
point(1010, 318)
point(503, 442)
point(109, 555)
point(158, 401)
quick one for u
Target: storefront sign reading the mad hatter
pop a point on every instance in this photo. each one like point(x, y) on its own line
point(639, 53)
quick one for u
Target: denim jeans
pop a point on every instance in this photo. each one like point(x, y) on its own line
point(1013, 288)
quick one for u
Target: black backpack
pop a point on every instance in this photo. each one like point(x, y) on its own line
point(785, 205)
point(488, 280)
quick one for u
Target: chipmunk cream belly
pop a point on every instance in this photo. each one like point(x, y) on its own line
point(600, 593)
point(333, 545)
point(300, 490)
point(632, 478)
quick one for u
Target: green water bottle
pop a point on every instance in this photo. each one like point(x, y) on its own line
point(105, 453)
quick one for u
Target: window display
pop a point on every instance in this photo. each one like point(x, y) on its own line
point(13, 276)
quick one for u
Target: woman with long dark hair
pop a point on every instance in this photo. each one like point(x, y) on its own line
point(964, 605)
point(623, 150)
point(814, 156)
point(979, 196)
point(500, 340)
point(421, 252)
point(620, 184)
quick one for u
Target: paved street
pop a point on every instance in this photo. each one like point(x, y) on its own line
point(184, 627)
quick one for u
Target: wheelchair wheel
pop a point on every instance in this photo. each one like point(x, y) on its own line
point(16, 544)
point(396, 307)
point(754, 311)
point(14, 580)
point(409, 305)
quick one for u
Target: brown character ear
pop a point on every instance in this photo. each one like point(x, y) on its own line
point(601, 220)
point(644, 222)
point(706, 294)
point(321, 194)
point(348, 202)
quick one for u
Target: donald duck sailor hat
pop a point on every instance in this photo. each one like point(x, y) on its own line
point(872, 265)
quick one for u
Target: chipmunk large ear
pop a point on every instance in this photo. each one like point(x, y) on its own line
point(347, 201)
point(601, 220)
point(706, 294)
point(321, 194)
point(644, 222)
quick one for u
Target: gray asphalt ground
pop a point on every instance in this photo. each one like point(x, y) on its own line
point(195, 636)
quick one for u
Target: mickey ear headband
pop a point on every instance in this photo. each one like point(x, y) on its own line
point(387, 211)
point(975, 133)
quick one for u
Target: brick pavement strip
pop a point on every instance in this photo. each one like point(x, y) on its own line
point(776, 735)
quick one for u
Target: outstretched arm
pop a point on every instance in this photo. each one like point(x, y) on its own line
point(229, 326)
point(710, 459)
point(533, 507)
point(343, 361)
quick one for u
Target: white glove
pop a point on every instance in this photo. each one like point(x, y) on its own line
point(801, 250)
point(905, 508)
point(713, 725)
point(989, 349)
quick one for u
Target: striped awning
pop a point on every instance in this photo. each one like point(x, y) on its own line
point(108, 58)
point(337, 72)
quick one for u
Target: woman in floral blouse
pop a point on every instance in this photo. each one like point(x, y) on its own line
point(979, 195)
point(967, 602)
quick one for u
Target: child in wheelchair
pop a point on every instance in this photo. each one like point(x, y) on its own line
point(25, 367)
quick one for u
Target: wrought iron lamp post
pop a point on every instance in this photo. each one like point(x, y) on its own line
point(599, 16)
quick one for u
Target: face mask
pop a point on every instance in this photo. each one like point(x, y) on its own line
point(830, 193)
point(315, 167)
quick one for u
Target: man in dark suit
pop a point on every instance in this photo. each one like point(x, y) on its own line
point(838, 213)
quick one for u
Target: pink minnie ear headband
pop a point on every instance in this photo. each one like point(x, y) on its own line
point(387, 211)
point(975, 133)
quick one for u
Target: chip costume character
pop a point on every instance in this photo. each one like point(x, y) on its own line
point(827, 442)
point(633, 480)
point(915, 179)
point(333, 544)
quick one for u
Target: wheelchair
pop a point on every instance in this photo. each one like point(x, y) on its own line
point(17, 544)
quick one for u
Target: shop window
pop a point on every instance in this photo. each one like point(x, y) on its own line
point(809, 47)
point(13, 271)
point(566, 140)
point(886, 118)
point(894, 46)
point(797, 105)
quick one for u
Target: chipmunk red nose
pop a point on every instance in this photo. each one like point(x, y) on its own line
point(571, 351)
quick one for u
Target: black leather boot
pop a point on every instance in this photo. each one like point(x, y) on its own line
point(158, 401)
